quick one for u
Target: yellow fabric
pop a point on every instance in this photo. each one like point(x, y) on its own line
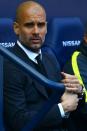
point(77, 72)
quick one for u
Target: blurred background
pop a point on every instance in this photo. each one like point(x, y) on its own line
point(54, 8)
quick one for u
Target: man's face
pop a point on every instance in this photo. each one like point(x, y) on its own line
point(32, 28)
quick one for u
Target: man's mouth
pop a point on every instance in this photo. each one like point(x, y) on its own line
point(35, 40)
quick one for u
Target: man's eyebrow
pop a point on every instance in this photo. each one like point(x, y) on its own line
point(32, 22)
point(42, 22)
point(28, 23)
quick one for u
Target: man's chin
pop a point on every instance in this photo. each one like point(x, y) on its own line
point(35, 48)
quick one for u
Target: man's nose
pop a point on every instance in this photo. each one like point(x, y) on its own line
point(36, 30)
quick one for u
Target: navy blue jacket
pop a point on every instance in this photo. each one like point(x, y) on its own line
point(24, 96)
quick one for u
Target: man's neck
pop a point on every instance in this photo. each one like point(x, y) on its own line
point(28, 48)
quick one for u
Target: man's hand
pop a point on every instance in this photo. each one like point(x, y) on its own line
point(69, 101)
point(71, 83)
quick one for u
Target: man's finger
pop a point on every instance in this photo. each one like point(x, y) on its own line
point(68, 75)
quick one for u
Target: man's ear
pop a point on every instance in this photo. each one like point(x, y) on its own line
point(46, 28)
point(46, 31)
point(16, 28)
point(85, 38)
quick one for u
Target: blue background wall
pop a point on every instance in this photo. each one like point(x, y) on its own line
point(54, 8)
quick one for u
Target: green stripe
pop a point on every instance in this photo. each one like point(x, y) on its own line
point(77, 72)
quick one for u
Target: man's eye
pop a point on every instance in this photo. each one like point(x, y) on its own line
point(41, 25)
point(29, 25)
point(32, 24)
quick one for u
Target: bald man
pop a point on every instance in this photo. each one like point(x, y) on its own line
point(23, 95)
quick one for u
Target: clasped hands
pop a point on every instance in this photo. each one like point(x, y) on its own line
point(70, 99)
point(72, 83)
